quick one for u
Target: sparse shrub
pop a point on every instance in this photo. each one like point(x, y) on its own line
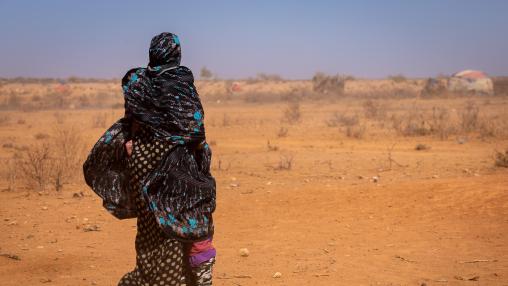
point(14, 101)
point(469, 116)
point(355, 131)
point(325, 84)
point(292, 112)
point(260, 97)
point(12, 172)
point(205, 73)
point(8, 145)
point(283, 132)
point(412, 123)
point(41, 136)
point(374, 109)
point(271, 147)
point(398, 78)
point(339, 119)
point(35, 165)
point(422, 147)
point(55, 163)
point(84, 101)
point(285, 163)
point(68, 151)
point(440, 123)
point(501, 159)
point(268, 77)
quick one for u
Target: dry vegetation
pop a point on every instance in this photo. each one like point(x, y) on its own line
point(336, 178)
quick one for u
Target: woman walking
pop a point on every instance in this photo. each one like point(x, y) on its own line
point(154, 164)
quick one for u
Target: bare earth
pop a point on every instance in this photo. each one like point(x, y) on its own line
point(437, 216)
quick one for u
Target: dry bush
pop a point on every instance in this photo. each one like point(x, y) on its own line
point(56, 163)
point(501, 159)
point(374, 109)
point(35, 165)
point(355, 131)
point(84, 101)
point(12, 172)
point(500, 85)
point(260, 97)
point(350, 125)
point(292, 112)
point(341, 119)
point(421, 147)
point(271, 147)
point(285, 163)
point(493, 127)
point(13, 102)
point(469, 116)
point(283, 132)
point(68, 151)
point(412, 123)
point(398, 78)
point(325, 84)
point(441, 124)
point(268, 77)
point(41, 136)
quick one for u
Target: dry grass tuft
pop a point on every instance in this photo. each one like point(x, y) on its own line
point(292, 112)
point(501, 159)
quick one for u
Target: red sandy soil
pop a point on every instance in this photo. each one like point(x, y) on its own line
point(435, 217)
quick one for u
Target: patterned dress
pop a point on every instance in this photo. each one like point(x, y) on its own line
point(159, 260)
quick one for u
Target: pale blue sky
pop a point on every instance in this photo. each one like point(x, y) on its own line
point(295, 39)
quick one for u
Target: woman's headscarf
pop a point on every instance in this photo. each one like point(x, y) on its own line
point(163, 99)
point(163, 96)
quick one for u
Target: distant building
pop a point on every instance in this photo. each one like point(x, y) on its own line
point(471, 82)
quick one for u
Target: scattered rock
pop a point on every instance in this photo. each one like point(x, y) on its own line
point(234, 185)
point(45, 280)
point(244, 252)
point(277, 275)
point(10, 256)
point(435, 177)
point(45, 208)
point(91, 227)
point(268, 183)
point(78, 195)
point(375, 179)
point(473, 278)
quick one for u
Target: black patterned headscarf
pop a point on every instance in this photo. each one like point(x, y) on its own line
point(180, 191)
point(165, 50)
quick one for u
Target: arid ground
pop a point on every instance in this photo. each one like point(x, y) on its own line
point(326, 191)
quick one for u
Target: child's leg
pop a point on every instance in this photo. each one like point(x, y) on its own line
point(203, 273)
